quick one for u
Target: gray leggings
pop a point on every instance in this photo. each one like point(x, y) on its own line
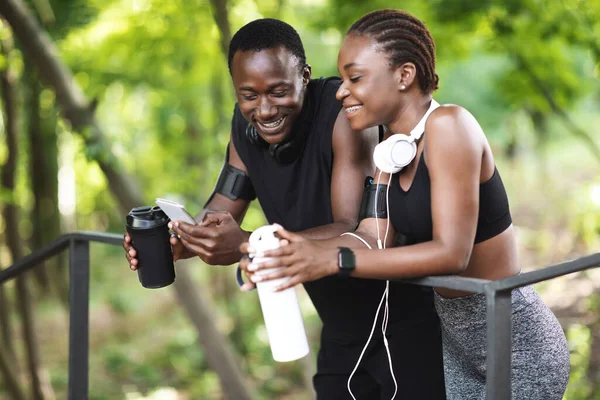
point(540, 355)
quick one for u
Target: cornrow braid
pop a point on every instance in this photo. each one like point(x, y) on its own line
point(403, 38)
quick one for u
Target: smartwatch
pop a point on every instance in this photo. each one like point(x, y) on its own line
point(346, 262)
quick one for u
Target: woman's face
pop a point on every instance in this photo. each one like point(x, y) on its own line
point(270, 90)
point(369, 91)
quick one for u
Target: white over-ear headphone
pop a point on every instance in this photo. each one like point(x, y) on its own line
point(397, 151)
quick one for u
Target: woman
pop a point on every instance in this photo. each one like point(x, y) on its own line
point(449, 201)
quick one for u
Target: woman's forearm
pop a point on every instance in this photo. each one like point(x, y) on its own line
point(424, 259)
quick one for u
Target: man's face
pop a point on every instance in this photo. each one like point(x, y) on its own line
point(270, 88)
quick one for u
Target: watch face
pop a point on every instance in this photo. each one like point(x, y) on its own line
point(346, 261)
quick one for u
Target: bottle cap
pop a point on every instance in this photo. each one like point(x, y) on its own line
point(264, 238)
point(146, 217)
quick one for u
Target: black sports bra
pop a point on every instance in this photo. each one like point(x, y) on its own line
point(410, 211)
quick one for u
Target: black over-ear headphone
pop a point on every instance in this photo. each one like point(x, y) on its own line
point(284, 152)
point(289, 150)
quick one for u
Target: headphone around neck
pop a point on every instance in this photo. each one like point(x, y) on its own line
point(397, 151)
point(284, 152)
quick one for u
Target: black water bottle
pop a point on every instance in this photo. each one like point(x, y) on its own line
point(147, 227)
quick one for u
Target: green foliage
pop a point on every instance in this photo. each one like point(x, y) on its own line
point(165, 101)
point(533, 34)
point(586, 222)
point(579, 339)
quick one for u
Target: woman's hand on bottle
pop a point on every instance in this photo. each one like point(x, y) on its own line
point(304, 261)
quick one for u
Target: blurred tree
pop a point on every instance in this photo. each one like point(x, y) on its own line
point(7, 182)
point(43, 168)
point(80, 114)
point(7, 369)
point(544, 41)
point(75, 107)
point(40, 389)
point(41, 124)
point(221, 16)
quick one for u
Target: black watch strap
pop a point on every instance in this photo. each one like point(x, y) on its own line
point(346, 262)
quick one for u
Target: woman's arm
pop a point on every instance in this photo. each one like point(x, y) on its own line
point(352, 163)
point(454, 146)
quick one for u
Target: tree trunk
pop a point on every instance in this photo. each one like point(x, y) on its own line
point(6, 181)
point(539, 121)
point(11, 215)
point(37, 174)
point(223, 286)
point(309, 369)
point(6, 340)
point(221, 16)
point(44, 183)
point(76, 110)
point(10, 377)
point(220, 357)
point(40, 388)
point(75, 107)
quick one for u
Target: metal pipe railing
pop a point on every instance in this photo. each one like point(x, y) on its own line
point(498, 296)
point(498, 300)
point(79, 295)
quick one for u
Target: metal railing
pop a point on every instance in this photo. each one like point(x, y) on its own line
point(498, 295)
point(498, 300)
point(79, 295)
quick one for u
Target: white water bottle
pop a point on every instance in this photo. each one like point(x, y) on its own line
point(281, 310)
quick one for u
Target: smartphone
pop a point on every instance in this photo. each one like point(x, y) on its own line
point(175, 211)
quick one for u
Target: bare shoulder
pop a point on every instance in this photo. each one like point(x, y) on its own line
point(234, 157)
point(451, 122)
point(341, 127)
point(344, 135)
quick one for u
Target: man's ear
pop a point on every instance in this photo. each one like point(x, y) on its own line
point(405, 75)
point(306, 74)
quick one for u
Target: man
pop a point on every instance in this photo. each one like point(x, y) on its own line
point(292, 147)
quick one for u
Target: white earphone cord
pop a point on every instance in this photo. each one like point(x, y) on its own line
point(385, 296)
point(384, 166)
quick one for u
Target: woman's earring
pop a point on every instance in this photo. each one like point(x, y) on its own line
point(402, 87)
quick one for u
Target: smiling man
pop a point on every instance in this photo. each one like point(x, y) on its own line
point(292, 147)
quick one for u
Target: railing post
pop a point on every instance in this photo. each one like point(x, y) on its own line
point(499, 332)
point(79, 291)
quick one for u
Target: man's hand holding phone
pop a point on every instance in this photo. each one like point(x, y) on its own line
point(174, 211)
point(178, 249)
point(216, 239)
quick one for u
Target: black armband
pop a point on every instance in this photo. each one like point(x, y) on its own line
point(373, 193)
point(233, 183)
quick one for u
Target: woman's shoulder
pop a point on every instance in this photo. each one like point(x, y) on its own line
point(452, 122)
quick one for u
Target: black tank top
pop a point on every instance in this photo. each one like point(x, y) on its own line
point(410, 211)
point(297, 196)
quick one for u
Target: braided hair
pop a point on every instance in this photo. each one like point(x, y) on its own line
point(267, 33)
point(403, 38)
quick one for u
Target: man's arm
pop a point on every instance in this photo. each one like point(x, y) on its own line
point(238, 207)
point(352, 163)
point(217, 237)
